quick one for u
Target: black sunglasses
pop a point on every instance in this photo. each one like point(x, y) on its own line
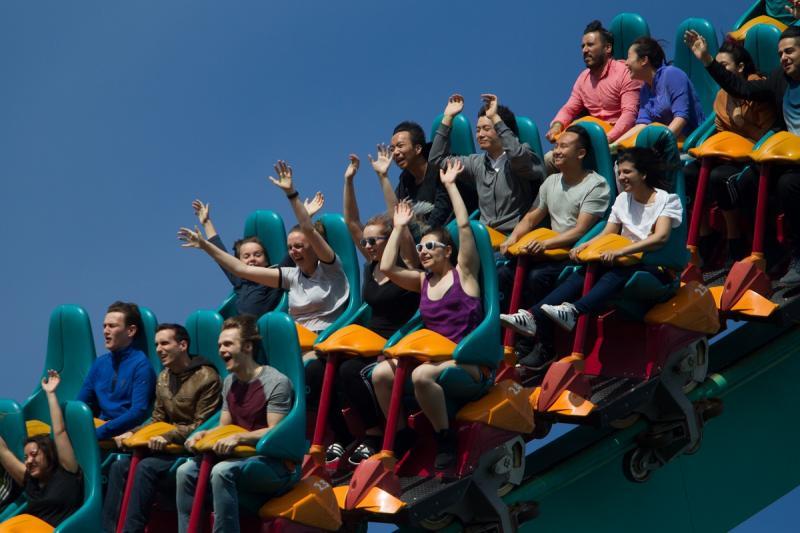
point(372, 241)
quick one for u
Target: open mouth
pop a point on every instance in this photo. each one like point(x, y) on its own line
point(226, 357)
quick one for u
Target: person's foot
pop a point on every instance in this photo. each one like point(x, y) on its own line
point(334, 452)
point(361, 453)
point(537, 358)
point(565, 315)
point(792, 276)
point(522, 322)
point(446, 448)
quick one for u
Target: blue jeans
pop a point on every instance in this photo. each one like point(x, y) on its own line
point(149, 473)
point(608, 282)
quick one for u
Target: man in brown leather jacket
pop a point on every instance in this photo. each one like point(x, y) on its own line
point(187, 394)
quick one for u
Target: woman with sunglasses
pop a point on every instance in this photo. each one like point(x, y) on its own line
point(450, 305)
point(391, 307)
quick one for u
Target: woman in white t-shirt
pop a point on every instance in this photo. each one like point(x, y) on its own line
point(644, 213)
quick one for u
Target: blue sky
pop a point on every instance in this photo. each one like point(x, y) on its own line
point(114, 116)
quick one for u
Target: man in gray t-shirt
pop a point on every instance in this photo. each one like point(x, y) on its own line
point(575, 200)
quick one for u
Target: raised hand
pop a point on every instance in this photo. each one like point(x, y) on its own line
point(284, 181)
point(453, 168)
point(491, 103)
point(352, 168)
point(315, 204)
point(793, 8)
point(698, 45)
point(191, 239)
point(403, 213)
point(201, 210)
point(382, 163)
point(455, 104)
point(51, 381)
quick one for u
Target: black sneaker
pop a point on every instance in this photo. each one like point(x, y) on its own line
point(334, 452)
point(537, 358)
point(792, 276)
point(446, 448)
point(361, 453)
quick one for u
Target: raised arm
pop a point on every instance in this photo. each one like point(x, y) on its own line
point(285, 183)
point(761, 90)
point(263, 275)
point(440, 148)
point(203, 213)
point(352, 217)
point(524, 163)
point(406, 278)
point(381, 167)
point(66, 455)
point(11, 463)
point(469, 261)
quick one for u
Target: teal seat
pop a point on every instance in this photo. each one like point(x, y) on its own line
point(70, 351)
point(757, 8)
point(287, 441)
point(12, 429)
point(762, 44)
point(338, 237)
point(462, 139)
point(529, 134)
point(684, 59)
point(147, 342)
point(204, 328)
point(644, 289)
point(626, 28)
point(268, 227)
point(80, 428)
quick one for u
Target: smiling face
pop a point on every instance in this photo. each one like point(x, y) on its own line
point(252, 254)
point(300, 251)
point(567, 151)
point(168, 349)
point(379, 234)
point(437, 258)
point(638, 66)
point(595, 51)
point(629, 178)
point(404, 152)
point(116, 334)
point(789, 53)
point(487, 136)
point(35, 459)
point(232, 350)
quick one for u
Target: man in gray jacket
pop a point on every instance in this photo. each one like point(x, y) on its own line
point(507, 175)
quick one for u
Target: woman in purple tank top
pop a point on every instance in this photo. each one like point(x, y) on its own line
point(450, 305)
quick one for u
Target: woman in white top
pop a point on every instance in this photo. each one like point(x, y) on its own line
point(644, 213)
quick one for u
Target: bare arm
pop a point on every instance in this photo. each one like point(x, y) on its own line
point(627, 135)
point(654, 241)
point(351, 215)
point(531, 219)
point(611, 227)
point(263, 275)
point(318, 243)
point(469, 261)
point(203, 213)
point(12, 465)
point(584, 223)
point(381, 167)
point(406, 278)
point(66, 455)
point(227, 445)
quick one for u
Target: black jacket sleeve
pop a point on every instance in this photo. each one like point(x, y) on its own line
point(236, 281)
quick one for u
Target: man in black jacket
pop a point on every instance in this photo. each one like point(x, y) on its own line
point(782, 87)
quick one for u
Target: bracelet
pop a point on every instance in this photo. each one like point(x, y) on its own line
point(293, 195)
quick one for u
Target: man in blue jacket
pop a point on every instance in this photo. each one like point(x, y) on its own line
point(120, 385)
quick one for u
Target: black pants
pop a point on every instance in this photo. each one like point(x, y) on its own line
point(350, 389)
point(540, 280)
point(721, 187)
point(784, 182)
point(149, 473)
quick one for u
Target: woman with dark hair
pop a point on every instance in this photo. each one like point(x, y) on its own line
point(50, 476)
point(667, 95)
point(391, 307)
point(643, 212)
point(450, 304)
point(747, 118)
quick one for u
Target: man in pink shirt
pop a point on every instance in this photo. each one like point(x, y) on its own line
point(604, 90)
